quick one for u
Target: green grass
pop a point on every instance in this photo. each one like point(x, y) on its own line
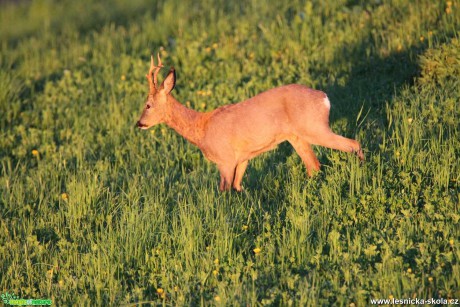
point(95, 212)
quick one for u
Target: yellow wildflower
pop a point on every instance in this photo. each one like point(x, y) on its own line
point(35, 152)
point(245, 227)
point(64, 196)
point(257, 250)
point(49, 273)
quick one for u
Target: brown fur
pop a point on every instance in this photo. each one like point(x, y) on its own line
point(233, 134)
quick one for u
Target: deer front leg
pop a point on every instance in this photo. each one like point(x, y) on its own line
point(227, 173)
point(240, 169)
point(307, 155)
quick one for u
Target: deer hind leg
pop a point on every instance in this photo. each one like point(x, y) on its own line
point(240, 169)
point(227, 173)
point(335, 141)
point(307, 155)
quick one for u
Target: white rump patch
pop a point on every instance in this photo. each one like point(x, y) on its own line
point(327, 103)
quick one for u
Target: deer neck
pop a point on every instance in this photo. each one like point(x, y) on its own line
point(185, 121)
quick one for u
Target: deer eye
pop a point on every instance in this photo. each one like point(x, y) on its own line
point(148, 106)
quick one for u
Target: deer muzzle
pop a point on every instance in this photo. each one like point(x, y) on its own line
point(140, 125)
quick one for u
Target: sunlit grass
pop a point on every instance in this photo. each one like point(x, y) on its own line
point(94, 212)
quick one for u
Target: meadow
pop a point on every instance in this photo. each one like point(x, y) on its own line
point(96, 212)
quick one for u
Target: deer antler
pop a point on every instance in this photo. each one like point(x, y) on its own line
point(154, 70)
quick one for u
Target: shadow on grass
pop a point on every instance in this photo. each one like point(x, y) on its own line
point(373, 81)
point(81, 16)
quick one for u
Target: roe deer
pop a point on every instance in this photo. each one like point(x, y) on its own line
point(233, 134)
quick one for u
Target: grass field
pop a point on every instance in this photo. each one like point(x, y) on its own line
point(96, 212)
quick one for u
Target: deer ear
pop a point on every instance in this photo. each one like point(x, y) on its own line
point(169, 82)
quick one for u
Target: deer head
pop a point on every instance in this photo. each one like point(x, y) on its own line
point(156, 106)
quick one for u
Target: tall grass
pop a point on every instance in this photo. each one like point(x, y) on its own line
point(94, 212)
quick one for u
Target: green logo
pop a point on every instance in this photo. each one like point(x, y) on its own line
point(12, 299)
